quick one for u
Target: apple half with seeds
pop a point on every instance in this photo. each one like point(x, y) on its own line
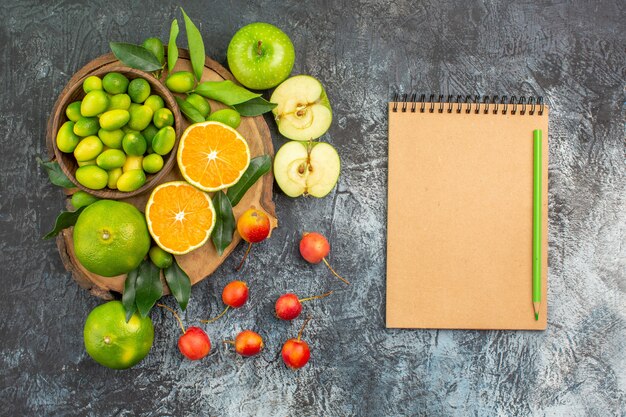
point(306, 168)
point(303, 111)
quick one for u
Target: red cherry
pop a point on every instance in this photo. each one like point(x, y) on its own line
point(194, 344)
point(296, 353)
point(288, 307)
point(254, 227)
point(235, 294)
point(248, 343)
point(314, 248)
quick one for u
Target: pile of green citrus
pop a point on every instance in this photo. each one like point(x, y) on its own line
point(118, 132)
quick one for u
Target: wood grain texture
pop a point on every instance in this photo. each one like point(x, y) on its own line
point(200, 263)
point(570, 52)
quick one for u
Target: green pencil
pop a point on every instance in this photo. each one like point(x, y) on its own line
point(537, 223)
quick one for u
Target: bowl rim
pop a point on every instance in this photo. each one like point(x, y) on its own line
point(58, 117)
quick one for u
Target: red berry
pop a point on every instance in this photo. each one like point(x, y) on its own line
point(314, 247)
point(288, 307)
point(235, 294)
point(248, 343)
point(253, 225)
point(296, 353)
point(194, 344)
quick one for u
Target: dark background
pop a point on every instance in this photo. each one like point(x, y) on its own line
point(572, 53)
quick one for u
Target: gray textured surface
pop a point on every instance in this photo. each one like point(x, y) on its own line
point(572, 53)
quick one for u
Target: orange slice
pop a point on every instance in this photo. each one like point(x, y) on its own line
point(212, 155)
point(180, 217)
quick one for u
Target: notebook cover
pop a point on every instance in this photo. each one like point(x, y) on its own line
point(459, 233)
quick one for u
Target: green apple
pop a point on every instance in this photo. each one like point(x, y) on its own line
point(306, 168)
point(260, 56)
point(303, 111)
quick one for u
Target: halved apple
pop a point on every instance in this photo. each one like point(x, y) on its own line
point(306, 168)
point(303, 111)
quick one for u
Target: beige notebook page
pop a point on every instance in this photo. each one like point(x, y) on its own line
point(459, 236)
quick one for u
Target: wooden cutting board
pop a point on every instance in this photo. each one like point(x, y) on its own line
point(200, 263)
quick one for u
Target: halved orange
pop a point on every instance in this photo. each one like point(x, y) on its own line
point(180, 217)
point(212, 156)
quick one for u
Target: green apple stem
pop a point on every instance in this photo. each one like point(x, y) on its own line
point(215, 318)
point(244, 257)
point(259, 51)
point(303, 326)
point(334, 273)
point(316, 297)
point(180, 322)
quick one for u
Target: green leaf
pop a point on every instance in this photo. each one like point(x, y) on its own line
point(258, 167)
point(192, 114)
point(135, 56)
point(172, 49)
point(63, 221)
point(179, 283)
point(226, 92)
point(224, 228)
point(149, 288)
point(254, 107)
point(128, 298)
point(56, 174)
point(196, 46)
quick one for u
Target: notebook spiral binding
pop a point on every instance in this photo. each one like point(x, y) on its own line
point(495, 104)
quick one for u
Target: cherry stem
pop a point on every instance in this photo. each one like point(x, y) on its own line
point(315, 297)
point(259, 51)
point(180, 322)
point(244, 257)
point(215, 318)
point(303, 326)
point(334, 273)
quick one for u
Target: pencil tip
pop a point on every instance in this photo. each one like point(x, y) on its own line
point(537, 316)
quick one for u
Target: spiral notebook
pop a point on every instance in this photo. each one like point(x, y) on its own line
point(460, 197)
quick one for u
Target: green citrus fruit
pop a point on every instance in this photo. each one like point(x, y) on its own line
point(82, 199)
point(152, 163)
point(154, 102)
point(134, 144)
point(139, 90)
point(155, 46)
point(131, 180)
point(94, 103)
point(86, 126)
point(92, 176)
point(67, 140)
point(115, 83)
point(200, 103)
point(92, 83)
point(163, 117)
point(111, 237)
point(114, 175)
point(180, 82)
point(161, 258)
point(73, 111)
point(112, 342)
point(229, 117)
point(164, 140)
point(119, 102)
